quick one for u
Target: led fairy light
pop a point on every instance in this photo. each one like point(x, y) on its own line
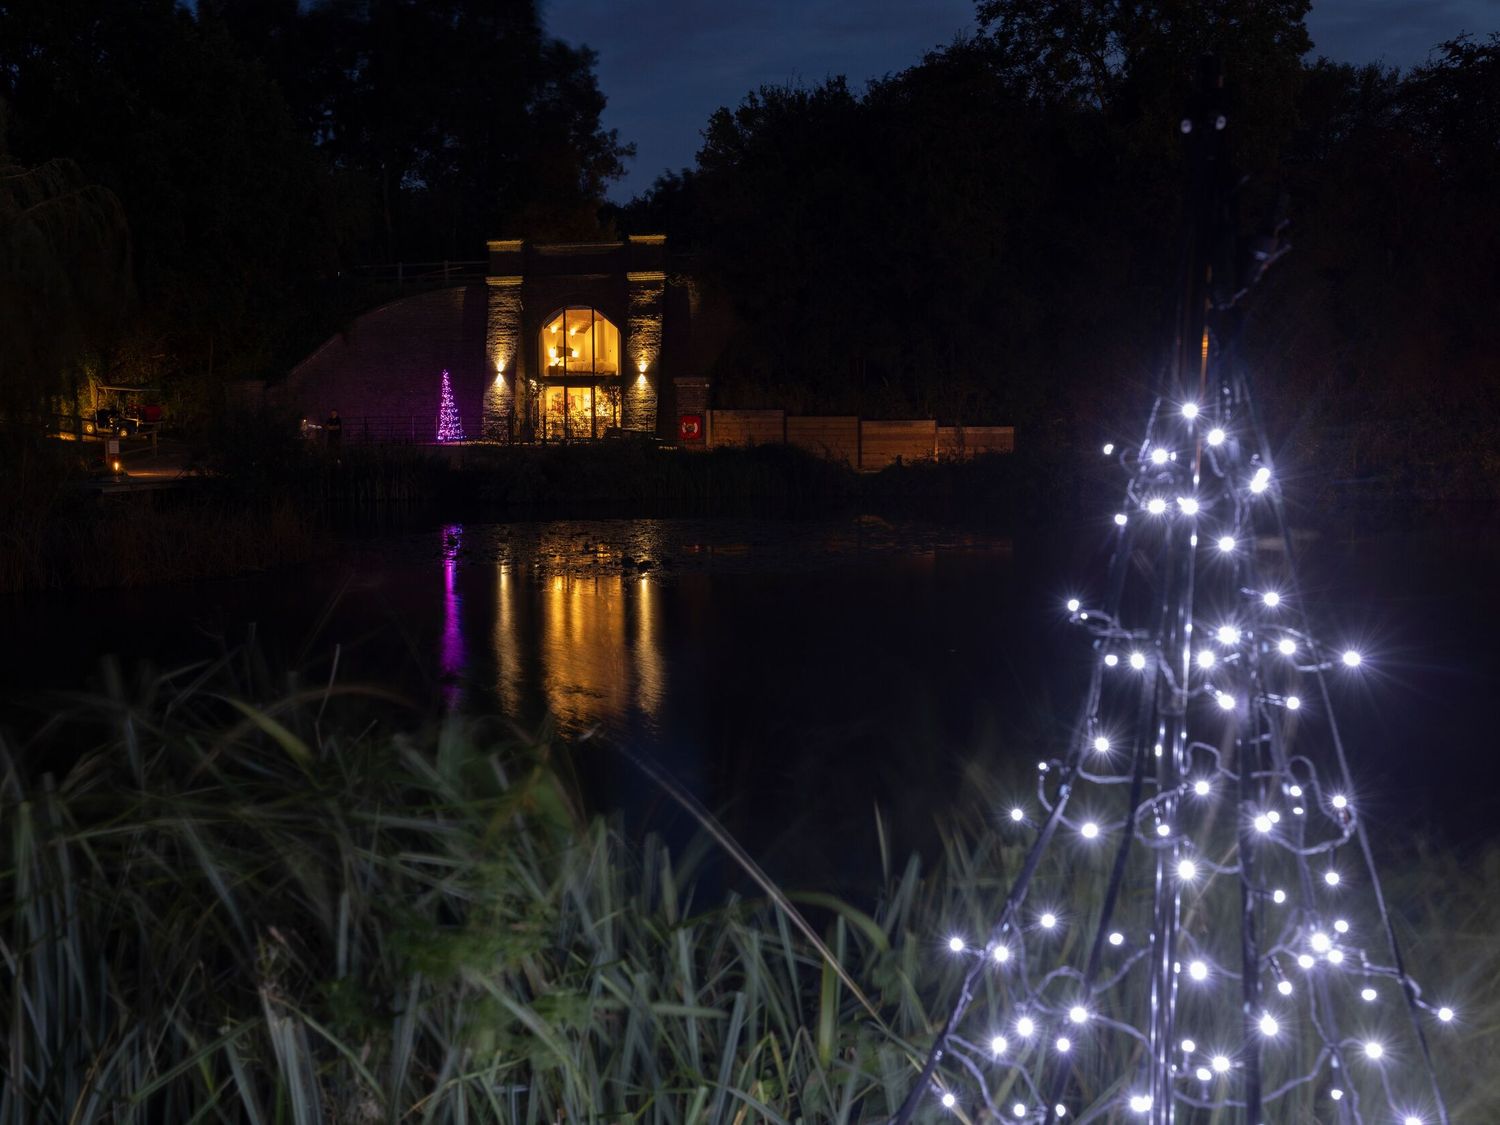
point(1220, 766)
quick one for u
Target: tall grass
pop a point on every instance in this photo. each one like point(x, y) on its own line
point(236, 896)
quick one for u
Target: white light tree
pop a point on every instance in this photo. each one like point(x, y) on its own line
point(1198, 933)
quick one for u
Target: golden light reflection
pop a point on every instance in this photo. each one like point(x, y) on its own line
point(507, 643)
point(592, 646)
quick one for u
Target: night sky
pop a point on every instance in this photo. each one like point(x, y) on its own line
point(665, 65)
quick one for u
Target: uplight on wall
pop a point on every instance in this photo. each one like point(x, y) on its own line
point(499, 369)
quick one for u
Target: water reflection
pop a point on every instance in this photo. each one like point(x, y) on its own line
point(453, 659)
point(588, 645)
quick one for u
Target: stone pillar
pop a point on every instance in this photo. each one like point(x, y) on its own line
point(503, 351)
point(646, 284)
point(692, 402)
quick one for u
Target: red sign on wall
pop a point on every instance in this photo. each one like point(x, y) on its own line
point(690, 427)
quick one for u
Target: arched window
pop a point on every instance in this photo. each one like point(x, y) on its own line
point(580, 363)
point(579, 341)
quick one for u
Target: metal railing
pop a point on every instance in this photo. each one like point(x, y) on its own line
point(422, 273)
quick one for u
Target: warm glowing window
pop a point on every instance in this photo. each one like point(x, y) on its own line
point(580, 342)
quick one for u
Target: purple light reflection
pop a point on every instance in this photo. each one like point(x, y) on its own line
point(454, 658)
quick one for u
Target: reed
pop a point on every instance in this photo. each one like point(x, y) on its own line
point(235, 895)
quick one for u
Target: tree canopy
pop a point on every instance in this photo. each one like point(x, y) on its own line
point(258, 151)
point(991, 235)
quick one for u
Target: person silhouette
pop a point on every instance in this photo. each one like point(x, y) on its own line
point(334, 427)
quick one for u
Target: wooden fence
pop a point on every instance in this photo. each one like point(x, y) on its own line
point(863, 444)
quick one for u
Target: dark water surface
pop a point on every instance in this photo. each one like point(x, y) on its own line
point(796, 674)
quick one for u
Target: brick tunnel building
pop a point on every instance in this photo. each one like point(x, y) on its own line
point(557, 343)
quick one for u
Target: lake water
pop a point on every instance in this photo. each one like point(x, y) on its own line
point(794, 675)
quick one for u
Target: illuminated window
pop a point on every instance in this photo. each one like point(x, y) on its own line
point(580, 342)
point(580, 357)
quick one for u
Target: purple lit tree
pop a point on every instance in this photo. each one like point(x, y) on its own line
point(450, 426)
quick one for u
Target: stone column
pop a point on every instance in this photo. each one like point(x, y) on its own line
point(503, 351)
point(645, 287)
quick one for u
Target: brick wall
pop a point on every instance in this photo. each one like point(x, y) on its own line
point(389, 364)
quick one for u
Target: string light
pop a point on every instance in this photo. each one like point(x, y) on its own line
point(1238, 738)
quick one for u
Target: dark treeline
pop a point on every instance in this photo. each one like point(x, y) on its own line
point(216, 170)
point(991, 235)
point(987, 236)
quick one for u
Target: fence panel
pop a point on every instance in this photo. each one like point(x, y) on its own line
point(954, 443)
point(836, 438)
point(882, 443)
point(746, 427)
